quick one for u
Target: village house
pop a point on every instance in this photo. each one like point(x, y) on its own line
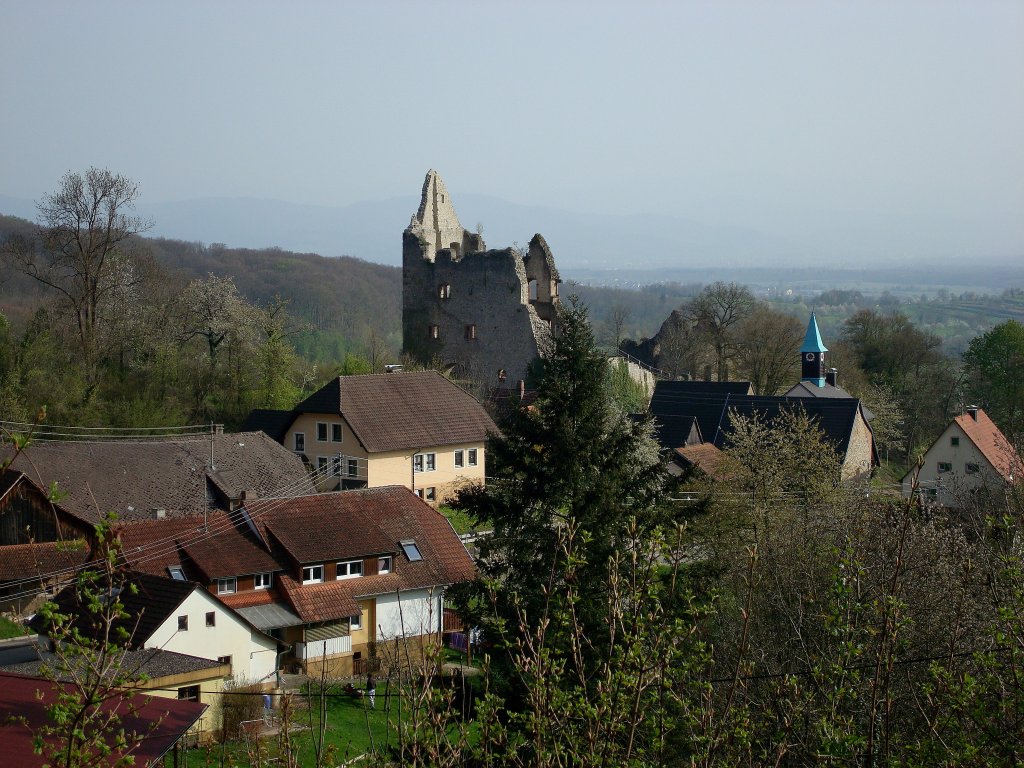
point(334, 576)
point(416, 429)
point(971, 454)
point(215, 643)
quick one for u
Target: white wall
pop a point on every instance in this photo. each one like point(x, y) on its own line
point(420, 609)
point(253, 655)
point(951, 487)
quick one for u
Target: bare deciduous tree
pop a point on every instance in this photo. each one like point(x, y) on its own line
point(768, 348)
point(85, 249)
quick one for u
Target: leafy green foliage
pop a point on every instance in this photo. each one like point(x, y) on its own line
point(994, 363)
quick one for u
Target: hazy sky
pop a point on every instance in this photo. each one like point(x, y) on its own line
point(847, 120)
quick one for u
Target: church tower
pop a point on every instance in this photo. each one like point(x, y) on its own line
point(812, 356)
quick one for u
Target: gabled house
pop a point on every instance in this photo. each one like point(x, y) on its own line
point(331, 575)
point(416, 429)
point(970, 454)
point(182, 617)
point(158, 723)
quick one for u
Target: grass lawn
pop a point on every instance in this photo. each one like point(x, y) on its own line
point(353, 728)
point(9, 628)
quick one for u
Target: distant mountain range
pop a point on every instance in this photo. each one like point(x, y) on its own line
point(622, 248)
point(372, 231)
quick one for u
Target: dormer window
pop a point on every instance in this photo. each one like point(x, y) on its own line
point(411, 550)
point(313, 574)
point(384, 564)
point(350, 569)
point(226, 586)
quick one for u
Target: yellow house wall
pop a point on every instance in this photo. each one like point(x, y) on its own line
point(349, 445)
point(210, 690)
point(395, 468)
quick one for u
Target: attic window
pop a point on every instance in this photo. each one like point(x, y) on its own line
point(176, 572)
point(411, 550)
point(954, 441)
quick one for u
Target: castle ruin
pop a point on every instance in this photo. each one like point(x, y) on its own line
point(487, 314)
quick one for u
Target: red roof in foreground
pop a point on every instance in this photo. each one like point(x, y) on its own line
point(158, 723)
point(990, 441)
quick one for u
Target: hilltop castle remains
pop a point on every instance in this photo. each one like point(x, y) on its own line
point(487, 314)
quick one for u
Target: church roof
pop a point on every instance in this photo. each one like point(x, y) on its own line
point(812, 341)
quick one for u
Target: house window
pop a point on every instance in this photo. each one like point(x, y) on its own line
point(471, 332)
point(336, 433)
point(336, 465)
point(472, 457)
point(424, 462)
point(411, 550)
point(384, 564)
point(353, 468)
point(224, 660)
point(355, 622)
point(263, 580)
point(300, 442)
point(954, 441)
point(226, 586)
point(972, 468)
point(430, 494)
point(183, 623)
point(444, 291)
point(945, 466)
point(313, 574)
point(189, 693)
point(211, 618)
point(321, 431)
point(176, 572)
point(321, 463)
point(350, 569)
point(433, 331)
point(460, 458)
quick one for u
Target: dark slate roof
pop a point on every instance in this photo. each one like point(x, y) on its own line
point(668, 388)
point(46, 559)
point(151, 662)
point(132, 478)
point(835, 416)
point(676, 431)
point(147, 607)
point(807, 389)
point(163, 721)
point(398, 411)
point(274, 422)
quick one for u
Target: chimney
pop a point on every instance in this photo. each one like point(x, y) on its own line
point(249, 495)
point(159, 514)
point(831, 376)
point(972, 411)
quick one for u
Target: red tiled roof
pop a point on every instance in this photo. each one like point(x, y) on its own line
point(22, 561)
point(329, 526)
point(151, 546)
point(158, 722)
point(313, 603)
point(247, 599)
point(993, 444)
point(397, 411)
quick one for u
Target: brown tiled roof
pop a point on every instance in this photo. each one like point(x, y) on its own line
point(400, 411)
point(151, 546)
point(990, 441)
point(333, 526)
point(229, 553)
point(132, 478)
point(320, 602)
point(247, 599)
point(707, 458)
point(23, 561)
point(363, 523)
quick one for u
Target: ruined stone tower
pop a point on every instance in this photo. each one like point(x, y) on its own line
point(488, 314)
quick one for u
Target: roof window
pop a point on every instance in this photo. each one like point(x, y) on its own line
point(176, 572)
point(411, 550)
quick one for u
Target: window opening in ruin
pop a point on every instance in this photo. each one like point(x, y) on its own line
point(444, 291)
point(533, 290)
point(471, 333)
point(433, 331)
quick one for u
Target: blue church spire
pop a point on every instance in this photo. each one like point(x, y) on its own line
point(812, 356)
